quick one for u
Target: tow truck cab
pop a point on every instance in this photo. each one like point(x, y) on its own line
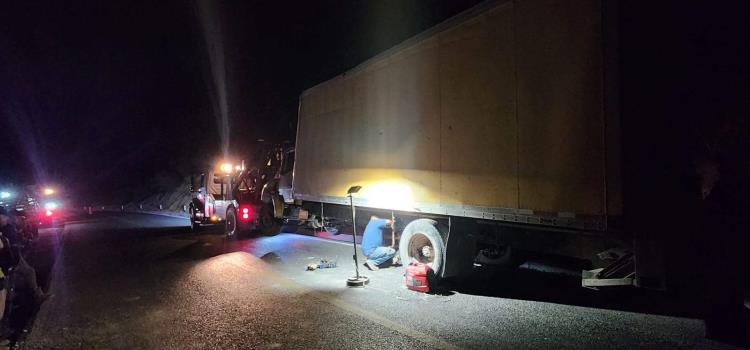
point(224, 198)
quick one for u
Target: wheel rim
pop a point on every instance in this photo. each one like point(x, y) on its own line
point(421, 249)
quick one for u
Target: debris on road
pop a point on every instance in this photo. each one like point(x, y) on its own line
point(323, 264)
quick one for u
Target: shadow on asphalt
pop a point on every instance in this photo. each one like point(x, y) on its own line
point(160, 232)
point(209, 242)
point(203, 248)
point(559, 289)
point(271, 258)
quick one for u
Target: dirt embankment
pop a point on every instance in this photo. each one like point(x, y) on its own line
point(169, 197)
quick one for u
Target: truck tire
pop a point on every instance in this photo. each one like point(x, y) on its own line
point(230, 224)
point(269, 226)
point(194, 225)
point(421, 241)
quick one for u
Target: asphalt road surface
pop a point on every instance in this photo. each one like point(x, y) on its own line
point(129, 281)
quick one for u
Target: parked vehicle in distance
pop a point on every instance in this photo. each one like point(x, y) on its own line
point(49, 207)
point(28, 216)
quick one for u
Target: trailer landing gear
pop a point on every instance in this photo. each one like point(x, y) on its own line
point(619, 273)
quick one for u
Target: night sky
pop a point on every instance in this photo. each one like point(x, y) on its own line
point(105, 98)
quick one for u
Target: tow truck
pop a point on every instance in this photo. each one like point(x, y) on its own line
point(228, 197)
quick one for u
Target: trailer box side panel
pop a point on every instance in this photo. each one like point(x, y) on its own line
point(497, 113)
point(477, 85)
point(384, 134)
point(321, 143)
point(561, 138)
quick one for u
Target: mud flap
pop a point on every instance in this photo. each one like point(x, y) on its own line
point(460, 247)
point(650, 271)
point(278, 207)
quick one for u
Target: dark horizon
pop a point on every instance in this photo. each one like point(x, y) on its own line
point(113, 95)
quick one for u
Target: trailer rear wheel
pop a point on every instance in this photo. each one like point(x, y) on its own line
point(421, 241)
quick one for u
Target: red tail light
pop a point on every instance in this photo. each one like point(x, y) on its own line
point(47, 214)
point(246, 213)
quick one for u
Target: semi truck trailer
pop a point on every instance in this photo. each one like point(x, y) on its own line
point(514, 129)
